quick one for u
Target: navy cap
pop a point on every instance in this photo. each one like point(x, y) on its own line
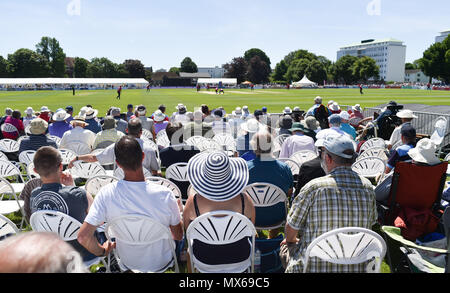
point(408, 130)
point(264, 109)
point(258, 113)
point(70, 108)
point(129, 106)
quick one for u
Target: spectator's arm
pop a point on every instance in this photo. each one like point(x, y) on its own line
point(87, 239)
point(85, 158)
point(177, 231)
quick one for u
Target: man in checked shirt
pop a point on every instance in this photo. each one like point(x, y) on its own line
point(340, 199)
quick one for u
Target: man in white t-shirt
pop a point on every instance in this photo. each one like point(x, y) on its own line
point(133, 196)
point(107, 157)
point(407, 116)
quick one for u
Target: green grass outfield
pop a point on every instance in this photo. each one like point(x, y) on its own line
point(275, 99)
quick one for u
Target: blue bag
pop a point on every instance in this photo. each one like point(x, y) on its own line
point(270, 254)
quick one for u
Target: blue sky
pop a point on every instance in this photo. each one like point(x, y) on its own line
point(162, 33)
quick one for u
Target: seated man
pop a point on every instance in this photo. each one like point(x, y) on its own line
point(91, 119)
point(109, 133)
point(266, 169)
point(78, 134)
point(60, 125)
point(37, 139)
point(133, 196)
point(15, 121)
point(121, 125)
point(335, 122)
point(341, 199)
point(297, 142)
point(58, 191)
point(347, 128)
point(408, 133)
point(107, 157)
point(407, 116)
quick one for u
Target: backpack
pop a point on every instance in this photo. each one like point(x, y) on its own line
point(321, 116)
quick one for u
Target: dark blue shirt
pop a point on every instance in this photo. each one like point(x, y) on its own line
point(400, 155)
point(35, 142)
point(93, 126)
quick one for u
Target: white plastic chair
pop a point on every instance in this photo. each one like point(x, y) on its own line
point(61, 224)
point(295, 167)
point(279, 140)
point(196, 141)
point(162, 139)
point(139, 233)
point(177, 172)
point(221, 228)
point(31, 173)
point(94, 184)
point(79, 148)
point(372, 143)
point(303, 157)
point(226, 141)
point(19, 140)
point(210, 145)
point(374, 152)
point(440, 130)
point(397, 145)
point(55, 139)
point(9, 146)
point(166, 183)
point(341, 247)
point(3, 157)
point(26, 157)
point(369, 167)
point(67, 156)
point(147, 134)
point(9, 202)
point(7, 227)
point(97, 151)
point(119, 174)
point(266, 195)
point(86, 170)
point(8, 169)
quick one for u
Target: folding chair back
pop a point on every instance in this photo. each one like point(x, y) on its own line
point(270, 205)
point(87, 170)
point(177, 172)
point(55, 138)
point(162, 139)
point(31, 173)
point(221, 228)
point(3, 157)
point(196, 141)
point(295, 167)
point(374, 152)
point(226, 141)
point(119, 174)
point(9, 128)
point(372, 143)
point(166, 183)
point(147, 134)
point(135, 236)
point(278, 143)
point(440, 131)
point(9, 203)
point(9, 146)
point(94, 184)
point(26, 157)
point(348, 246)
point(67, 156)
point(52, 221)
point(8, 169)
point(303, 157)
point(79, 148)
point(369, 167)
point(7, 228)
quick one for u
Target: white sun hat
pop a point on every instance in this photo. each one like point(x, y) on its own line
point(424, 152)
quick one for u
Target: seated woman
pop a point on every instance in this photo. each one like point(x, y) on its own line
point(218, 181)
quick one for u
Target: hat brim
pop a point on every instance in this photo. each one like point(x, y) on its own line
point(93, 115)
point(55, 118)
point(79, 121)
point(429, 159)
point(158, 118)
point(218, 189)
point(399, 115)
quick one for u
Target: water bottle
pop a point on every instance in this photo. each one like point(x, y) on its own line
point(257, 261)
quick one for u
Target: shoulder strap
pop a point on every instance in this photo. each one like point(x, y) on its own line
point(243, 203)
point(197, 212)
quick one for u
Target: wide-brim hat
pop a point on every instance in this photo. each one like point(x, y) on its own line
point(29, 111)
point(217, 177)
point(79, 119)
point(60, 116)
point(335, 107)
point(297, 127)
point(287, 110)
point(424, 152)
point(251, 126)
point(311, 123)
point(38, 126)
point(406, 114)
point(159, 116)
point(88, 112)
point(45, 109)
point(357, 108)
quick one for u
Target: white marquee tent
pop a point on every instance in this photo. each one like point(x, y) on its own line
point(305, 82)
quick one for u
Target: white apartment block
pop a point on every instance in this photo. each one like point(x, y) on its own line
point(416, 76)
point(215, 72)
point(441, 38)
point(389, 54)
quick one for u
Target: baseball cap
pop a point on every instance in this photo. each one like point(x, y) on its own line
point(334, 119)
point(129, 106)
point(340, 145)
point(69, 108)
point(408, 130)
point(115, 111)
point(264, 109)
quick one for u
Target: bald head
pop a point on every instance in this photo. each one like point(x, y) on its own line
point(135, 127)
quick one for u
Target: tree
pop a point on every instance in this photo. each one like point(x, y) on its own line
point(237, 68)
point(435, 61)
point(121, 71)
point(249, 54)
point(187, 65)
point(101, 68)
point(366, 68)
point(26, 63)
point(175, 70)
point(316, 71)
point(50, 49)
point(258, 70)
point(280, 71)
point(343, 70)
point(410, 66)
point(80, 67)
point(135, 68)
point(149, 73)
point(296, 70)
point(3, 67)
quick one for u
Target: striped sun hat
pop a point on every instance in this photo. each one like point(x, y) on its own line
point(217, 177)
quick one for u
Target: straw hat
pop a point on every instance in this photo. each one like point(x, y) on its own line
point(251, 126)
point(217, 177)
point(38, 126)
point(61, 115)
point(79, 119)
point(311, 123)
point(88, 112)
point(424, 152)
